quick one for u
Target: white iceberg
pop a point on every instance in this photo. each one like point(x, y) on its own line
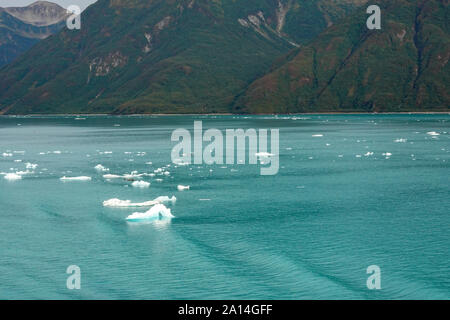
point(31, 166)
point(264, 154)
point(117, 203)
point(141, 184)
point(182, 188)
point(12, 176)
point(101, 168)
point(82, 178)
point(157, 212)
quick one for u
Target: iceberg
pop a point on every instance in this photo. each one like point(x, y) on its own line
point(101, 168)
point(140, 184)
point(157, 212)
point(32, 166)
point(182, 188)
point(264, 154)
point(117, 203)
point(82, 178)
point(13, 176)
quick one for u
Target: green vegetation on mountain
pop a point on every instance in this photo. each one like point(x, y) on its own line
point(245, 56)
point(402, 67)
point(179, 56)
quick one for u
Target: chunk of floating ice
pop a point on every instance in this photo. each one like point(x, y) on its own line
point(264, 154)
point(433, 133)
point(400, 140)
point(12, 177)
point(82, 178)
point(32, 166)
point(116, 203)
point(141, 184)
point(182, 188)
point(368, 154)
point(317, 135)
point(101, 168)
point(21, 173)
point(159, 211)
point(5, 154)
point(112, 176)
point(387, 154)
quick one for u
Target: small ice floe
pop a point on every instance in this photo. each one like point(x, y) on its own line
point(180, 162)
point(387, 154)
point(101, 168)
point(358, 156)
point(129, 176)
point(159, 180)
point(17, 160)
point(317, 135)
point(112, 176)
point(31, 166)
point(117, 203)
point(13, 177)
point(157, 212)
point(149, 174)
point(204, 199)
point(141, 184)
point(433, 133)
point(368, 154)
point(264, 154)
point(183, 188)
point(132, 175)
point(159, 170)
point(6, 154)
point(401, 140)
point(149, 163)
point(82, 178)
point(57, 152)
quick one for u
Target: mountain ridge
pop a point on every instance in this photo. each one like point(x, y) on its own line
point(222, 56)
point(22, 27)
point(402, 67)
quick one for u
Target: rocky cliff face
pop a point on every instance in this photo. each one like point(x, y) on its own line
point(22, 27)
point(39, 13)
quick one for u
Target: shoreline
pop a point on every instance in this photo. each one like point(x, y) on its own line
point(217, 114)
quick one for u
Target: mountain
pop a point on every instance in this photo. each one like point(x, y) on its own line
point(159, 56)
point(22, 27)
point(402, 67)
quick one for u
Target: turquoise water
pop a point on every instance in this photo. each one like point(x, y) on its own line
point(309, 232)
